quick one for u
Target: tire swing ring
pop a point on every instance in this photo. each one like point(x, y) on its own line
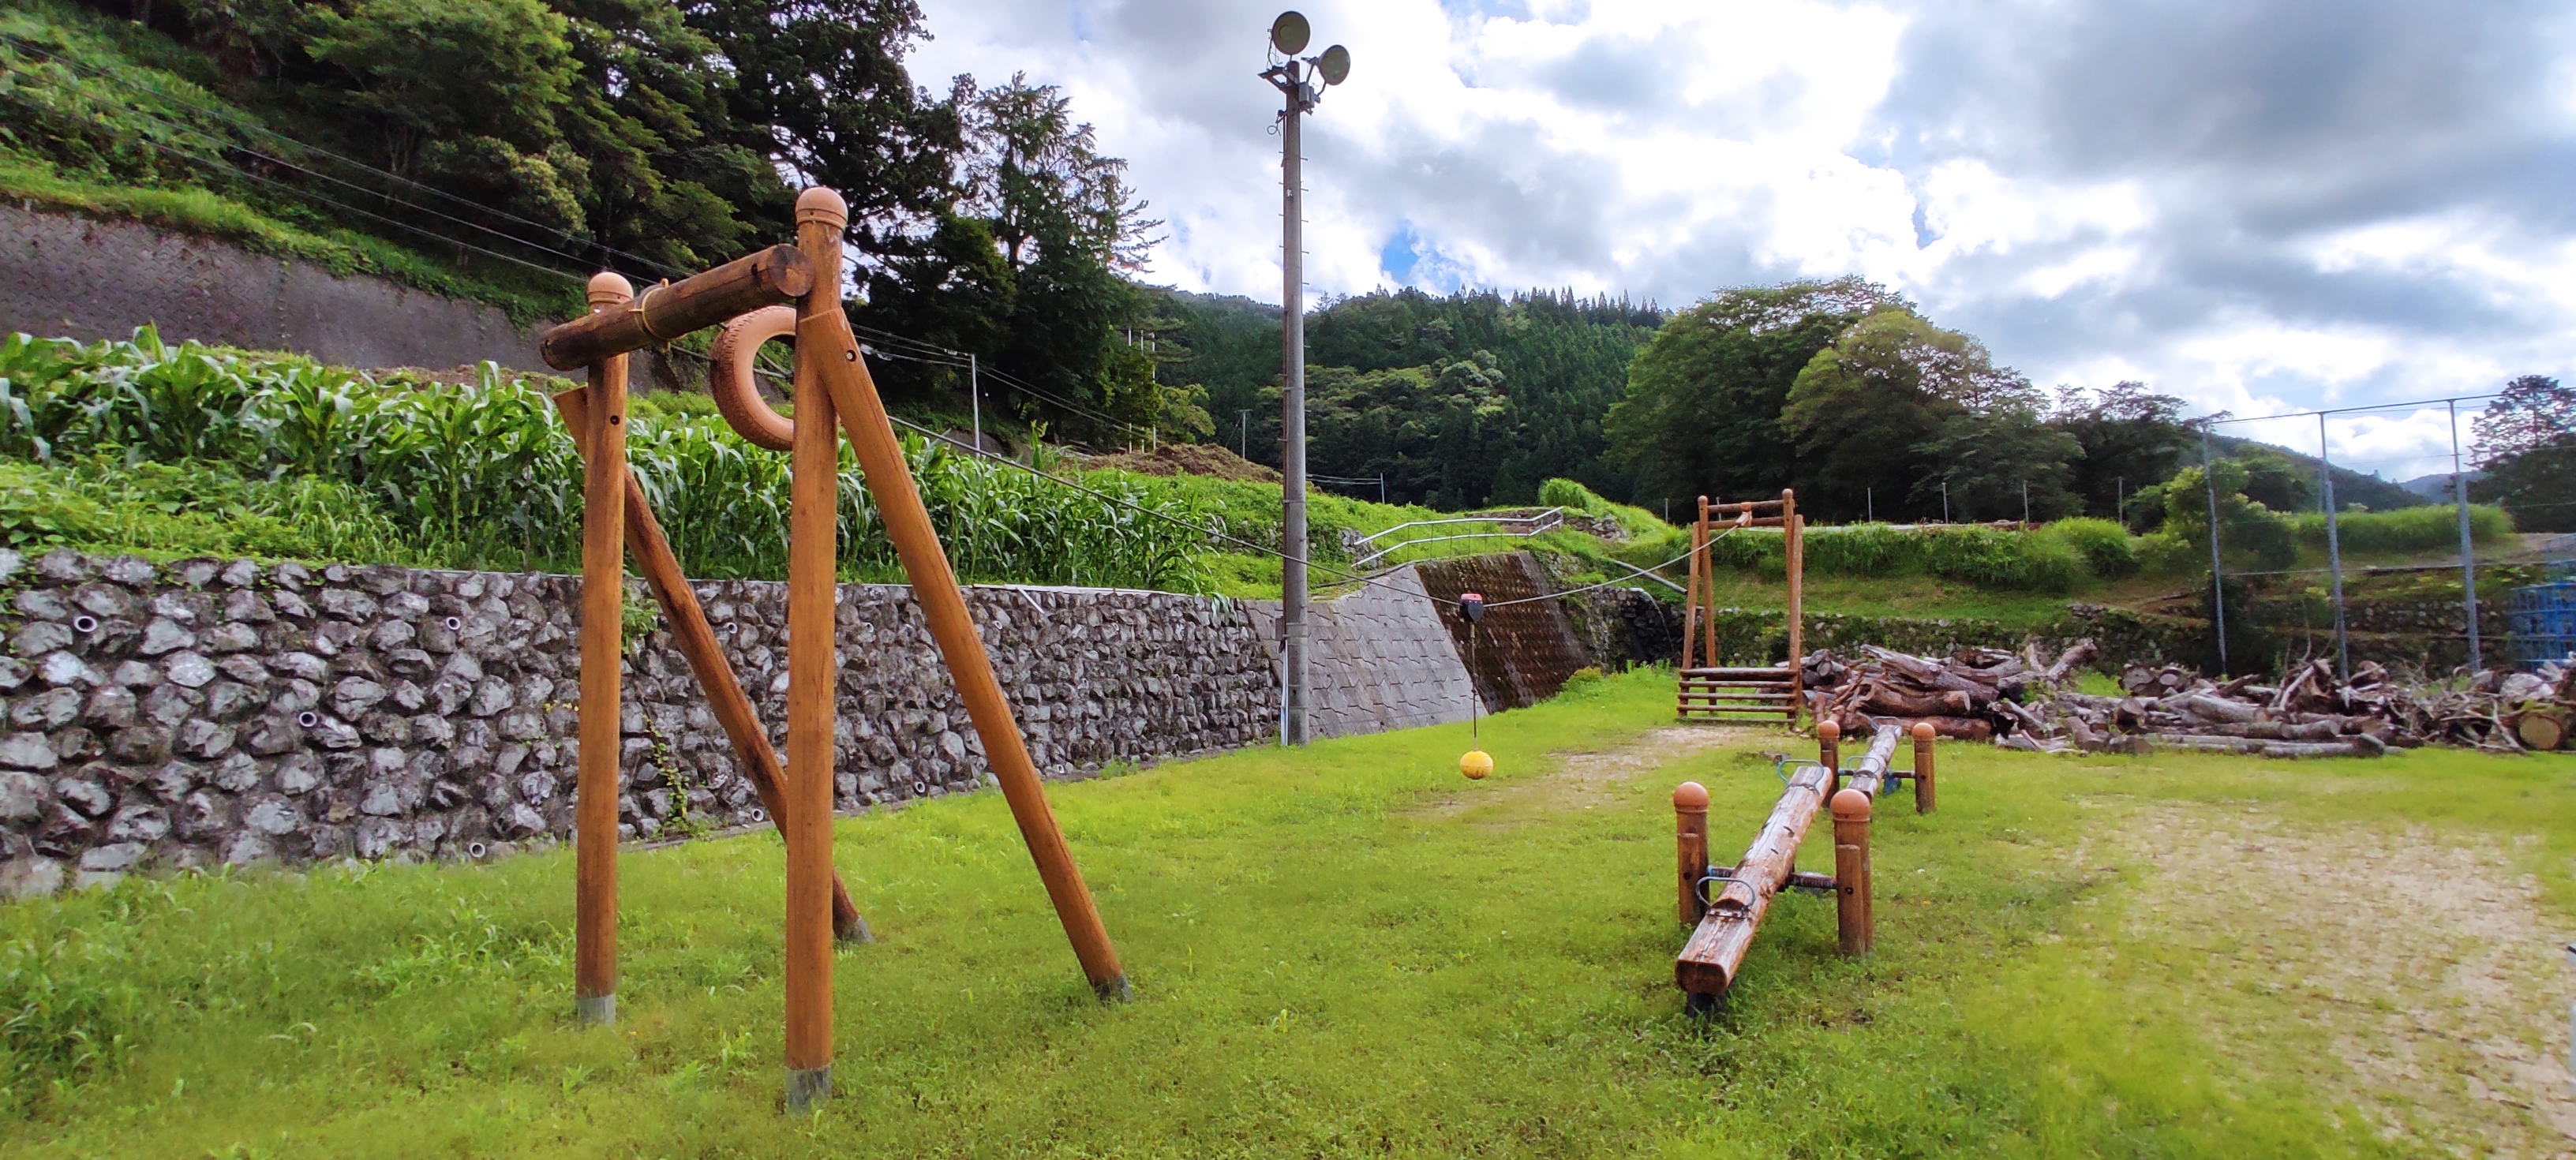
point(729, 376)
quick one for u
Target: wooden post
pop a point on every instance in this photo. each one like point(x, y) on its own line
point(772, 276)
point(1924, 799)
point(1709, 593)
point(1829, 749)
point(1690, 597)
point(824, 340)
point(696, 640)
point(1851, 871)
point(1792, 529)
point(603, 599)
point(813, 551)
point(1690, 843)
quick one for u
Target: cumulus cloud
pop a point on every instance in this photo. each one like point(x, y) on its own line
point(2260, 205)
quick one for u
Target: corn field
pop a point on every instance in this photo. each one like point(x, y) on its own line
point(484, 475)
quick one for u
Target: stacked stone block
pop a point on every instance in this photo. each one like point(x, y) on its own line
point(210, 712)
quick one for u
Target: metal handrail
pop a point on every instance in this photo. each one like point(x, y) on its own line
point(1557, 512)
point(1540, 524)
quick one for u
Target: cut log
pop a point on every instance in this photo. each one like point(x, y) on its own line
point(1954, 728)
point(1894, 702)
point(2079, 653)
point(2540, 730)
point(2211, 708)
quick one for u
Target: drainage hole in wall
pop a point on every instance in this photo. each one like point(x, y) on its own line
point(84, 624)
point(759, 815)
point(308, 718)
point(475, 850)
point(920, 788)
point(453, 624)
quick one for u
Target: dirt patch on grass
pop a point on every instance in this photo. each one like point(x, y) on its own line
point(2430, 966)
point(1594, 778)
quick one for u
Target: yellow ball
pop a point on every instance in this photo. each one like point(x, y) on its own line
point(1476, 764)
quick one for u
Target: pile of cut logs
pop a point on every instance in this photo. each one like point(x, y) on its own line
point(2026, 701)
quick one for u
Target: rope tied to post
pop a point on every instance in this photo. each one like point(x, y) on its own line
point(644, 320)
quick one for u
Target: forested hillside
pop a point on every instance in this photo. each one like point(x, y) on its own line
point(1459, 401)
point(505, 149)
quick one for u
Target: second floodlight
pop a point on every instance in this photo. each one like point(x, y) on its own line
point(1289, 33)
point(1335, 64)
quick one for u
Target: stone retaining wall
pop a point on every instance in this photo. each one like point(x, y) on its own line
point(211, 712)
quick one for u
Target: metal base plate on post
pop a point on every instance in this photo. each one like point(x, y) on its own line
point(1113, 991)
point(600, 1009)
point(808, 1087)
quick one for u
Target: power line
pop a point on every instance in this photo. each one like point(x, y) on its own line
point(245, 122)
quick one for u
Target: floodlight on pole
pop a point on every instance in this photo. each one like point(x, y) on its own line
point(1289, 35)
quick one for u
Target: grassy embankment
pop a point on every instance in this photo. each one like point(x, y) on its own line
point(1341, 951)
point(113, 120)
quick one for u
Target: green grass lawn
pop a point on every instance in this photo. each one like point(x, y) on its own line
point(1344, 951)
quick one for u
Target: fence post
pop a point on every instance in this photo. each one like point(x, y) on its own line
point(2334, 549)
point(2468, 555)
point(1829, 736)
point(2217, 568)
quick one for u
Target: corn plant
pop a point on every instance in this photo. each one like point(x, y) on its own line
point(484, 475)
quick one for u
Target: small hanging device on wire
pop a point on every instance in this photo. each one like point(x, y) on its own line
point(1477, 763)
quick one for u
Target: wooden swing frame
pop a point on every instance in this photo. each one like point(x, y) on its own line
point(1714, 692)
point(832, 382)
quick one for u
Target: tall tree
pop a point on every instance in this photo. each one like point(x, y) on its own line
point(824, 82)
point(2132, 439)
point(2526, 446)
point(1702, 411)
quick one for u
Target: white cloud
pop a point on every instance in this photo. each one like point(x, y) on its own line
point(2200, 196)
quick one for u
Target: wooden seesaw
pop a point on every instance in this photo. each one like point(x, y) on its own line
point(1727, 903)
point(831, 383)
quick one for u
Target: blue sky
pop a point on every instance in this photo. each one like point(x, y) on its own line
point(2263, 205)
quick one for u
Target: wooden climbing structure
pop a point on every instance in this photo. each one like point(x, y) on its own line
point(1725, 905)
point(784, 291)
point(1710, 690)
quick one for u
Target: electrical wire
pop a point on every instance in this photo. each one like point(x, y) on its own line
point(244, 122)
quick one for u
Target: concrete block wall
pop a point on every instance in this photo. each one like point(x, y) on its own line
point(64, 276)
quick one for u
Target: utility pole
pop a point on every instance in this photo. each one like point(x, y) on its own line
point(1243, 437)
point(1945, 501)
point(975, 398)
point(2025, 505)
point(1288, 35)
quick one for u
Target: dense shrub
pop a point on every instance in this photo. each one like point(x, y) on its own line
point(1571, 496)
point(2104, 544)
point(484, 475)
point(2431, 528)
point(1996, 558)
